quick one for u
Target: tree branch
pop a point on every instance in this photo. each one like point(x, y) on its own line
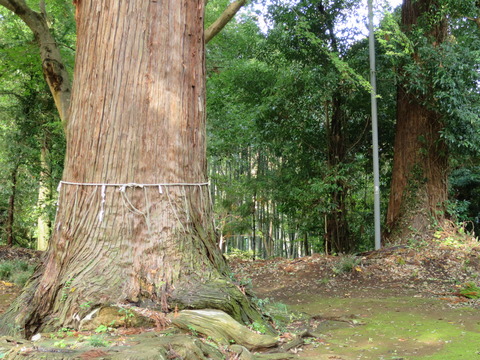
point(222, 20)
point(6, 4)
point(476, 20)
point(43, 9)
point(53, 67)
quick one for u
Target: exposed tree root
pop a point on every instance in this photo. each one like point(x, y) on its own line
point(222, 329)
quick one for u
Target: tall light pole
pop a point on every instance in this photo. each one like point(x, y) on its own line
point(376, 171)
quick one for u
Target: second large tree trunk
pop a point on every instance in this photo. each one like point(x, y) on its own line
point(134, 222)
point(419, 180)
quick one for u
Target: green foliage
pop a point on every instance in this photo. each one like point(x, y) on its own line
point(470, 290)
point(16, 271)
point(103, 329)
point(464, 206)
point(127, 316)
point(443, 76)
point(86, 305)
point(346, 264)
point(97, 341)
point(192, 330)
point(62, 333)
point(268, 126)
point(237, 254)
point(29, 120)
point(277, 312)
point(66, 289)
point(60, 344)
point(259, 327)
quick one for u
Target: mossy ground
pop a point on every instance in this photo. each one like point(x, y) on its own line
point(395, 328)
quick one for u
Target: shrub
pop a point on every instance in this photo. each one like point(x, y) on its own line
point(5, 271)
point(346, 264)
point(16, 271)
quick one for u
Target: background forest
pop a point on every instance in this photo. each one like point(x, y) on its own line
point(289, 125)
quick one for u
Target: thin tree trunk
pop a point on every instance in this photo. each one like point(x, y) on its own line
point(306, 246)
point(291, 237)
point(254, 224)
point(338, 233)
point(11, 208)
point(137, 119)
point(43, 227)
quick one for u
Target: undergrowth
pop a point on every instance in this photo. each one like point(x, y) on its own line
point(470, 290)
point(346, 264)
point(278, 313)
point(16, 271)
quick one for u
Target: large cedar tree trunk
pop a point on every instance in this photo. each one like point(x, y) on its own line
point(137, 116)
point(419, 180)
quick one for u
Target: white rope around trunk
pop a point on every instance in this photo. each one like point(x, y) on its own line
point(122, 188)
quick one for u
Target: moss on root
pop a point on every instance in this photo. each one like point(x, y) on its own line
point(221, 295)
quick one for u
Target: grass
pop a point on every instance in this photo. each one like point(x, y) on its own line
point(346, 264)
point(97, 341)
point(470, 290)
point(16, 271)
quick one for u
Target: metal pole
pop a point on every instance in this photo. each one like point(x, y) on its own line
point(373, 82)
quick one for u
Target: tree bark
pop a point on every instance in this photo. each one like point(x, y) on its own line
point(137, 116)
point(420, 166)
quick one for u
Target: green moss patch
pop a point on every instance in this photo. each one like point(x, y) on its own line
point(396, 328)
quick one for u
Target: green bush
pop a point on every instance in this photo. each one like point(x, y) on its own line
point(346, 264)
point(16, 271)
point(237, 254)
point(5, 271)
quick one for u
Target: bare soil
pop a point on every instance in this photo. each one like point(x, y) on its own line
point(433, 270)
